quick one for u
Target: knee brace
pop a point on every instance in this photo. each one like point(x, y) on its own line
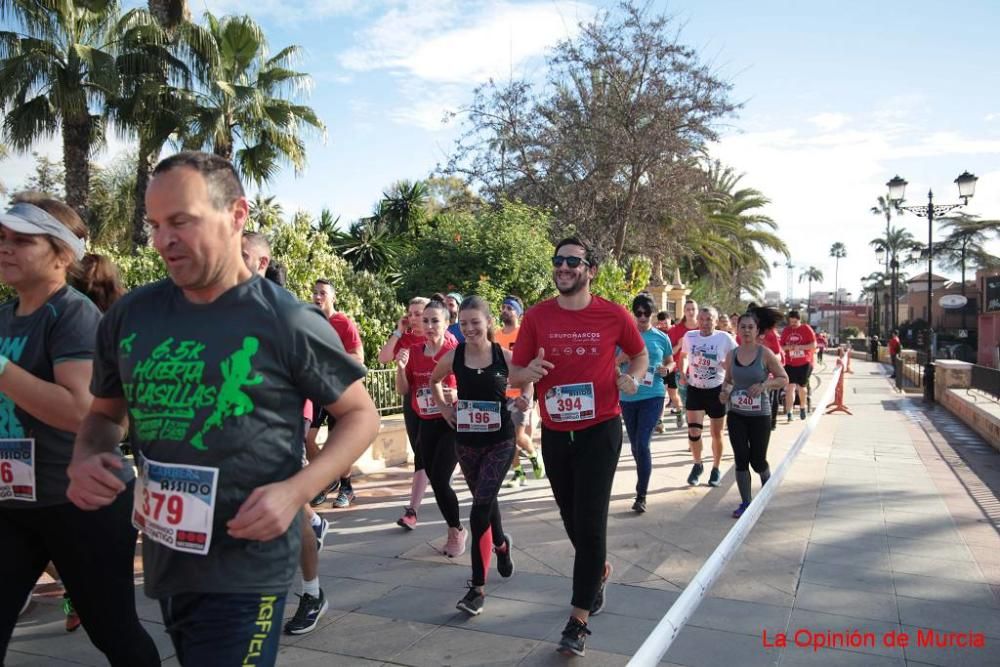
point(694, 427)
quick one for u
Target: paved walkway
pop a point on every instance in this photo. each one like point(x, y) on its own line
point(887, 523)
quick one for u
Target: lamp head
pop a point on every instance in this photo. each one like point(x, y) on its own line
point(897, 189)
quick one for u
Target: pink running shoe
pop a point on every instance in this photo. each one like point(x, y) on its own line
point(455, 546)
point(408, 520)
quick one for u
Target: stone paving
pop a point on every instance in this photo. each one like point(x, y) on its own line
point(887, 524)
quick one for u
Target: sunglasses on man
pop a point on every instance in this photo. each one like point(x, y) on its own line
point(571, 261)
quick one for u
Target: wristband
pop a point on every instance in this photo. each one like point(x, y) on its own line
point(3, 363)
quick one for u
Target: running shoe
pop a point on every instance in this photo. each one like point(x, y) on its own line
point(680, 419)
point(659, 427)
point(537, 467)
point(408, 520)
point(344, 498)
point(322, 496)
point(72, 618)
point(639, 506)
point(696, 471)
point(713, 477)
point(802, 414)
point(306, 617)
point(600, 598)
point(472, 603)
point(738, 512)
point(519, 479)
point(574, 638)
point(789, 414)
point(321, 530)
point(455, 546)
point(505, 560)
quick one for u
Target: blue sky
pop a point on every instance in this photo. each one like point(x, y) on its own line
point(838, 97)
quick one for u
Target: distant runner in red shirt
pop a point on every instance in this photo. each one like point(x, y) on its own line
point(688, 323)
point(567, 347)
point(799, 342)
point(894, 348)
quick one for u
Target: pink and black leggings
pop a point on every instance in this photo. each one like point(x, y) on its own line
point(485, 467)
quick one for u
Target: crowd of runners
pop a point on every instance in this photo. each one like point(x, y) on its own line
point(219, 381)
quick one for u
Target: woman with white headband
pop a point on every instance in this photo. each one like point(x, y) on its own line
point(47, 337)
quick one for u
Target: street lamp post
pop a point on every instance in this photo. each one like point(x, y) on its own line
point(966, 183)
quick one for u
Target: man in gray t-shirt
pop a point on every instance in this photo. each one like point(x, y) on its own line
point(211, 368)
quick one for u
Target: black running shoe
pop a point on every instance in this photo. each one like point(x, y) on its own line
point(472, 603)
point(505, 560)
point(802, 414)
point(639, 506)
point(322, 496)
point(307, 615)
point(713, 477)
point(601, 597)
point(696, 471)
point(574, 638)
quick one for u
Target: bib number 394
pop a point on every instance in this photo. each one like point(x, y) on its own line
point(570, 402)
point(17, 469)
point(174, 505)
point(477, 416)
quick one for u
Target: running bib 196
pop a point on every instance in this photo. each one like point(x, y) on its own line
point(426, 405)
point(742, 400)
point(17, 469)
point(570, 402)
point(477, 416)
point(174, 505)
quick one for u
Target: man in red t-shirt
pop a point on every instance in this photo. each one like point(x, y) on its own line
point(567, 347)
point(688, 323)
point(894, 347)
point(798, 341)
point(324, 297)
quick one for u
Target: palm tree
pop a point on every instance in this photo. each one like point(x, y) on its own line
point(810, 274)
point(3, 156)
point(837, 251)
point(895, 243)
point(403, 207)
point(966, 240)
point(57, 73)
point(265, 213)
point(245, 114)
point(170, 14)
point(369, 245)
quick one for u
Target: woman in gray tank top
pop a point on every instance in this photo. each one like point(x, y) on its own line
point(752, 371)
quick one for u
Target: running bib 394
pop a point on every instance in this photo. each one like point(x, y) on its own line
point(426, 405)
point(742, 400)
point(570, 402)
point(174, 505)
point(17, 469)
point(477, 416)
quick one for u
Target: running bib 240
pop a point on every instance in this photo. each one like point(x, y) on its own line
point(174, 505)
point(742, 400)
point(477, 416)
point(17, 469)
point(426, 405)
point(570, 402)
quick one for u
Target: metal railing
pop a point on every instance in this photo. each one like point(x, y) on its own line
point(910, 371)
point(986, 380)
point(381, 386)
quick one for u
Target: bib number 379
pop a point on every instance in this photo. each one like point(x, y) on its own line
point(174, 505)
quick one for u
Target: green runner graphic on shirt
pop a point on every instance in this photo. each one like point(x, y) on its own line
point(167, 389)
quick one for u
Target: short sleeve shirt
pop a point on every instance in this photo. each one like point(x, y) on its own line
point(506, 341)
point(63, 329)
point(418, 375)
point(800, 335)
point(651, 383)
point(706, 356)
point(676, 333)
point(221, 385)
point(347, 330)
point(581, 344)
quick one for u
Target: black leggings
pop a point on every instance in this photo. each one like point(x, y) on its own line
point(485, 467)
point(436, 443)
point(581, 467)
point(412, 422)
point(93, 552)
point(749, 437)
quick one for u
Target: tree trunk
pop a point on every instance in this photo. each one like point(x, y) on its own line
point(76, 161)
point(145, 162)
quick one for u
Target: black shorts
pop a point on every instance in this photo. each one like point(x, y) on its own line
point(706, 400)
point(321, 417)
point(671, 380)
point(799, 374)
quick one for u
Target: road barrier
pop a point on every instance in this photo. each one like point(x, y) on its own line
point(663, 635)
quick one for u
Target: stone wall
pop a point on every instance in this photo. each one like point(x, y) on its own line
point(979, 411)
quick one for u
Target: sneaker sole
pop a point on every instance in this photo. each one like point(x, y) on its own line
point(510, 551)
point(604, 590)
point(304, 631)
point(468, 610)
point(403, 524)
point(567, 651)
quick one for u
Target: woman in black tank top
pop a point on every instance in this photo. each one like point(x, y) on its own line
point(484, 438)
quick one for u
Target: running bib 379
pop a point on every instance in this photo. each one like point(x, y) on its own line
point(174, 505)
point(570, 402)
point(744, 401)
point(426, 405)
point(477, 416)
point(17, 469)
